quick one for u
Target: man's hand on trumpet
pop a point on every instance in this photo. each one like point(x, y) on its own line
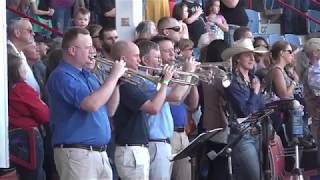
point(168, 71)
point(191, 65)
point(118, 69)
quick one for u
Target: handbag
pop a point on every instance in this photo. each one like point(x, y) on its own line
point(22, 146)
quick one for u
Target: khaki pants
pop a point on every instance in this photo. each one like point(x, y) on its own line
point(132, 162)
point(181, 168)
point(78, 164)
point(160, 166)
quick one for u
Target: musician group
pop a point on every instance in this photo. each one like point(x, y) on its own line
point(129, 117)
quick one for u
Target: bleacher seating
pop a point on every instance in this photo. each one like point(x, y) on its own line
point(274, 37)
point(312, 26)
point(254, 20)
point(293, 39)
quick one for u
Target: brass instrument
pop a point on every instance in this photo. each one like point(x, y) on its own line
point(129, 74)
point(180, 77)
point(220, 70)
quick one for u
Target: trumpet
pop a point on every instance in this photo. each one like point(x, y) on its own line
point(131, 76)
point(181, 77)
point(221, 70)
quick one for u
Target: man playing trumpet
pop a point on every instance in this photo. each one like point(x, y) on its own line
point(162, 124)
point(78, 111)
point(132, 133)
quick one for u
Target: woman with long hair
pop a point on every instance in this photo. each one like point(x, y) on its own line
point(243, 98)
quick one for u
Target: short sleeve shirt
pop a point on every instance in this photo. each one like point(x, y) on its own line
point(67, 87)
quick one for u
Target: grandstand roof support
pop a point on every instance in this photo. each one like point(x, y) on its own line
point(129, 13)
point(4, 146)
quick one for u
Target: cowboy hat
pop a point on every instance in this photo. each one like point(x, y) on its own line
point(240, 46)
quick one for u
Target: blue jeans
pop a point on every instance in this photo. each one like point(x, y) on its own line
point(61, 18)
point(38, 173)
point(315, 129)
point(245, 158)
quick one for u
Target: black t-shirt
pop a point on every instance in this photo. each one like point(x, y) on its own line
point(197, 28)
point(105, 6)
point(130, 124)
point(237, 15)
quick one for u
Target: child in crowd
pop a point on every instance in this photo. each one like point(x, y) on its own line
point(81, 17)
point(186, 49)
point(215, 22)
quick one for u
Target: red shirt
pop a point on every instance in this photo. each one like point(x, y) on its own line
point(26, 109)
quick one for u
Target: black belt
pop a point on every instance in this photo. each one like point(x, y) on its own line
point(160, 140)
point(133, 144)
point(180, 129)
point(82, 146)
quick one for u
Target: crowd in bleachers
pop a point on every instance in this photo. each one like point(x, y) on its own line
point(102, 107)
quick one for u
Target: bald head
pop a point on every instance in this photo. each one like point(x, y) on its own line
point(169, 27)
point(128, 51)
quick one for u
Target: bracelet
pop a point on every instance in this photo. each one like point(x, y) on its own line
point(164, 82)
point(294, 83)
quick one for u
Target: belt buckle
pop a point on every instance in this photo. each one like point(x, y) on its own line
point(103, 148)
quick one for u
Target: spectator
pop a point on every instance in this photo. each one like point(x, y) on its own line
point(216, 22)
point(108, 37)
point(108, 13)
point(244, 98)
point(81, 17)
point(180, 13)
point(94, 30)
point(26, 110)
point(311, 86)
point(42, 45)
point(38, 68)
point(262, 59)
point(54, 59)
point(13, 4)
point(241, 33)
point(213, 105)
point(234, 12)
point(169, 27)
point(195, 21)
point(185, 47)
point(20, 35)
point(62, 17)
point(146, 30)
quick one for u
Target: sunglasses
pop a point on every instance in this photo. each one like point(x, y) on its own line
point(175, 28)
point(289, 51)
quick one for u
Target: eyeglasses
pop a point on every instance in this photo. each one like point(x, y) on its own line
point(187, 49)
point(289, 51)
point(155, 57)
point(175, 28)
point(171, 50)
point(28, 30)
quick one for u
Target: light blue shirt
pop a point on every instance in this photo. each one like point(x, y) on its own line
point(161, 124)
point(314, 78)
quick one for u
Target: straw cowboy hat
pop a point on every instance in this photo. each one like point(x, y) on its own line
point(241, 46)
